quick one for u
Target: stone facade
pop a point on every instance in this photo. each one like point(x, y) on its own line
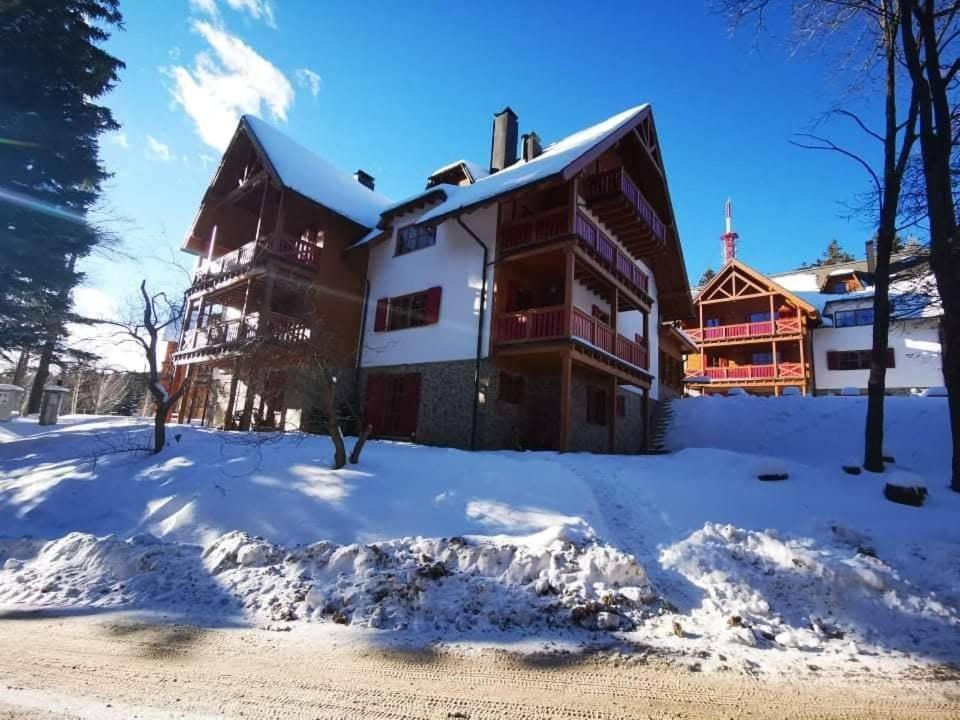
point(445, 411)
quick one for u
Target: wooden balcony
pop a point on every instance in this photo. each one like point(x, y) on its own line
point(554, 225)
point(621, 206)
point(747, 373)
point(745, 331)
point(553, 323)
point(235, 335)
point(300, 253)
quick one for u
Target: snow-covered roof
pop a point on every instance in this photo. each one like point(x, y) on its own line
point(552, 161)
point(476, 171)
point(305, 172)
point(798, 281)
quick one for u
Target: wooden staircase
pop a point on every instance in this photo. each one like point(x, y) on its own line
point(662, 417)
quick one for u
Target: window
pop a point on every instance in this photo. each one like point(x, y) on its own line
point(312, 236)
point(511, 388)
point(838, 288)
point(712, 322)
point(854, 359)
point(763, 358)
point(600, 315)
point(758, 317)
point(621, 406)
point(415, 237)
point(408, 311)
point(849, 318)
point(596, 405)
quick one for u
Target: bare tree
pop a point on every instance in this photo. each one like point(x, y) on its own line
point(301, 349)
point(868, 30)
point(930, 30)
point(158, 312)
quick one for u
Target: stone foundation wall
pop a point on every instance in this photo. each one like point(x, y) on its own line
point(630, 427)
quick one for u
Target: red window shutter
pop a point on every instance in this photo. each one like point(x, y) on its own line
point(380, 320)
point(410, 404)
point(432, 311)
point(832, 363)
point(891, 362)
point(376, 402)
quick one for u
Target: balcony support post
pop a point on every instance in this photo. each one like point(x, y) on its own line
point(773, 320)
point(242, 330)
point(182, 410)
point(232, 399)
point(703, 357)
point(265, 311)
point(569, 267)
point(612, 416)
point(566, 400)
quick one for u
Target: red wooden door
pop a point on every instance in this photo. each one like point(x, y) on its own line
point(393, 402)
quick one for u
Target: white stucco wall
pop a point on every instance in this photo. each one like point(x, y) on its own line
point(916, 352)
point(453, 264)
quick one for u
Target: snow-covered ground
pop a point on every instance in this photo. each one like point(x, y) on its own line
point(689, 552)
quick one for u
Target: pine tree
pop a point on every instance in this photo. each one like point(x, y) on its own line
point(834, 255)
point(707, 276)
point(52, 69)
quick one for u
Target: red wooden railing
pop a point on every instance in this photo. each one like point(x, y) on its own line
point(553, 224)
point(617, 181)
point(784, 370)
point(550, 324)
point(535, 229)
point(717, 333)
point(536, 324)
point(593, 240)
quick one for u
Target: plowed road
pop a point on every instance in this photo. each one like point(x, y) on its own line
point(109, 667)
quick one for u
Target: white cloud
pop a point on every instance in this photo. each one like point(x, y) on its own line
point(205, 6)
point(257, 9)
point(119, 139)
point(157, 150)
point(219, 88)
point(307, 78)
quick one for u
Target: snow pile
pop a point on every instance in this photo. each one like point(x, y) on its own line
point(556, 578)
point(765, 589)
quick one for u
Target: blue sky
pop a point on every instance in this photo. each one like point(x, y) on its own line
point(401, 88)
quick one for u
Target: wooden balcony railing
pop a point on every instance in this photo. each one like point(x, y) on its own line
point(719, 333)
point(554, 224)
point(282, 329)
point(287, 247)
point(535, 229)
point(550, 323)
point(594, 240)
point(781, 371)
point(615, 181)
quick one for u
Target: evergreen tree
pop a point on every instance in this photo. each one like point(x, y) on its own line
point(52, 69)
point(834, 255)
point(707, 276)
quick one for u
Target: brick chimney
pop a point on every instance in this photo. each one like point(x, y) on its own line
point(871, 256)
point(503, 146)
point(531, 146)
point(364, 178)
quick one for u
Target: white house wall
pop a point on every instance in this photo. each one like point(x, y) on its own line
point(453, 263)
point(916, 352)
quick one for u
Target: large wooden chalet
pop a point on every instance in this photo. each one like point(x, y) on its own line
point(751, 333)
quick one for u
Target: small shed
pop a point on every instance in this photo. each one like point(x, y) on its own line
point(11, 397)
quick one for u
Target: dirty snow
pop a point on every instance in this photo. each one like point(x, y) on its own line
point(688, 553)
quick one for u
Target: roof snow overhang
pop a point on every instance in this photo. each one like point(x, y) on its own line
point(760, 279)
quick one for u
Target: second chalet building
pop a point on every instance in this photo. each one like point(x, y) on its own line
point(524, 304)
